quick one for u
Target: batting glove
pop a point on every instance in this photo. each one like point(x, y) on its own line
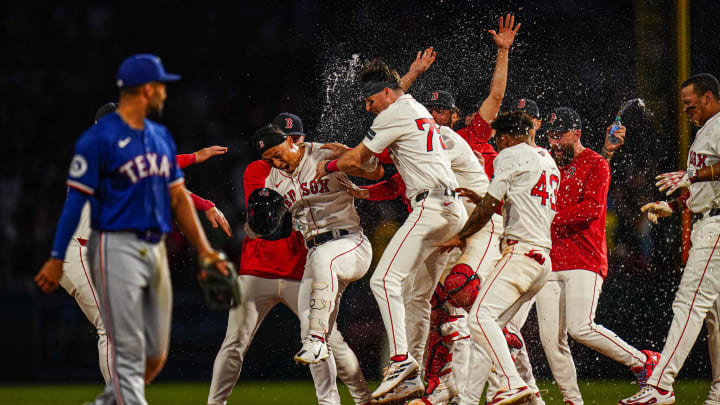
point(657, 209)
point(674, 180)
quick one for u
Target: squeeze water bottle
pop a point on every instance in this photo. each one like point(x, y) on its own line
point(615, 125)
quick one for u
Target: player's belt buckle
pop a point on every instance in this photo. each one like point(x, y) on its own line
point(150, 236)
point(325, 237)
point(447, 192)
point(701, 215)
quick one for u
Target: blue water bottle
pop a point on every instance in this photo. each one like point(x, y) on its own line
point(615, 125)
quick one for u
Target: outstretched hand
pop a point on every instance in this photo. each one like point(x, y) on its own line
point(469, 194)
point(336, 148)
point(217, 219)
point(450, 244)
point(423, 61)
point(48, 278)
point(505, 35)
point(657, 209)
point(206, 153)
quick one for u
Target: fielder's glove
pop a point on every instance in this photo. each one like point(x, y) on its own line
point(220, 289)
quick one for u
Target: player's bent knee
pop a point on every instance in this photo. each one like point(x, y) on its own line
point(462, 286)
point(153, 366)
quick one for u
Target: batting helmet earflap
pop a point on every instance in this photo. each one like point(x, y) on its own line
point(265, 211)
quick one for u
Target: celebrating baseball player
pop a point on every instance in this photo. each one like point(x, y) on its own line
point(75, 277)
point(409, 132)
point(338, 252)
point(526, 180)
point(568, 301)
point(270, 273)
point(697, 296)
point(127, 163)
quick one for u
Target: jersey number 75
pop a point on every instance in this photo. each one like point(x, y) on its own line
point(432, 129)
point(541, 189)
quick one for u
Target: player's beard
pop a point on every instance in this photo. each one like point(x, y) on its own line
point(567, 155)
point(154, 113)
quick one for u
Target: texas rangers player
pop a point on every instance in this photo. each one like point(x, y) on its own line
point(568, 301)
point(407, 129)
point(75, 277)
point(270, 273)
point(526, 180)
point(697, 295)
point(338, 252)
point(127, 163)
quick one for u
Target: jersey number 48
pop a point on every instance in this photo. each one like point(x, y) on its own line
point(541, 189)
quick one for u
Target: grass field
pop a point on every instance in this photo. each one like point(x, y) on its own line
point(302, 392)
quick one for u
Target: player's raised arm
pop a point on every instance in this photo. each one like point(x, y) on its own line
point(422, 62)
point(503, 37)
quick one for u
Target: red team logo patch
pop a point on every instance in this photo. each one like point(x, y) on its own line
point(521, 103)
point(434, 95)
point(553, 117)
point(288, 123)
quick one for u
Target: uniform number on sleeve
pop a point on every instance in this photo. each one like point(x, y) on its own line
point(541, 189)
point(433, 128)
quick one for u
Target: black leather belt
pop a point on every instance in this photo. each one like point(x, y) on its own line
point(699, 216)
point(324, 237)
point(448, 192)
point(149, 236)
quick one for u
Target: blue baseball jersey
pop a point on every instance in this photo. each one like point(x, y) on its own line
point(129, 172)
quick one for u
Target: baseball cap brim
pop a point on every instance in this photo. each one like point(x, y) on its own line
point(168, 77)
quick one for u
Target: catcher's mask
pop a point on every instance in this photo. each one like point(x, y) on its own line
point(266, 211)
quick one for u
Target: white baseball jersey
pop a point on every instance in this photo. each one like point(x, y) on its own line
point(705, 151)
point(526, 179)
point(468, 171)
point(318, 205)
point(411, 135)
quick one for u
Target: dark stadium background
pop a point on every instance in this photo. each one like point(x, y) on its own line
point(241, 64)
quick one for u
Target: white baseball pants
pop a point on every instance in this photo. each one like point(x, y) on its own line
point(411, 250)
point(77, 281)
point(258, 297)
point(567, 305)
point(695, 299)
point(516, 278)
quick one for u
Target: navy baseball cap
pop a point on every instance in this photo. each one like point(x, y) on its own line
point(291, 124)
point(563, 119)
point(441, 99)
point(143, 68)
point(527, 105)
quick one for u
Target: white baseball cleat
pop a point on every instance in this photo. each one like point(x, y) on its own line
point(650, 395)
point(395, 373)
point(406, 390)
point(515, 396)
point(313, 350)
point(536, 399)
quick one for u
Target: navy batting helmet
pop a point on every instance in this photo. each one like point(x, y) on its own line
point(267, 214)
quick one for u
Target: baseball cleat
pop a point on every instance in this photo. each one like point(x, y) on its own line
point(407, 390)
point(515, 396)
point(395, 373)
point(643, 373)
point(650, 395)
point(313, 350)
point(536, 399)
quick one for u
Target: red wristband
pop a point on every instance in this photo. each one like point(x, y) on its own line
point(331, 166)
point(201, 203)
